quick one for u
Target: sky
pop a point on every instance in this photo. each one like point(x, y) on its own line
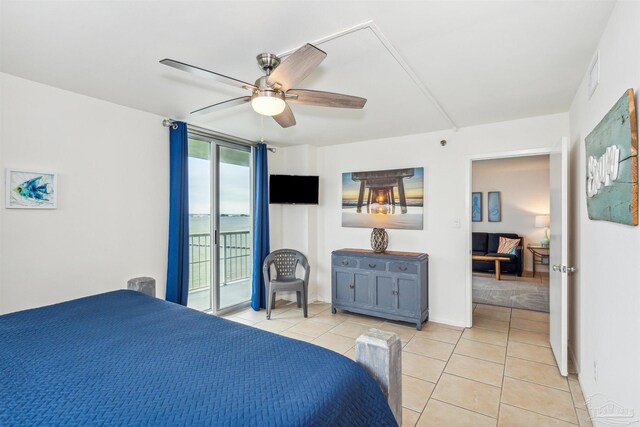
point(234, 188)
point(414, 187)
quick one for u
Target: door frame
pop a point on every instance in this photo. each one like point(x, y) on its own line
point(469, 224)
point(216, 143)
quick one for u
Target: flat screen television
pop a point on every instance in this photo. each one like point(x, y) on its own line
point(293, 189)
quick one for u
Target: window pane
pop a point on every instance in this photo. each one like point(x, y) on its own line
point(199, 225)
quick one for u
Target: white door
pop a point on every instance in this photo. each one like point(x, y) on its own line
point(558, 258)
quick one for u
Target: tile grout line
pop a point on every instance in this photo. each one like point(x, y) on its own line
point(529, 360)
point(541, 414)
point(441, 373)
point(471, 379)
point(575, 408)
point(542, 385)
point(537, 413)
point(466, 409)
point(504, 369)
point(535, 383)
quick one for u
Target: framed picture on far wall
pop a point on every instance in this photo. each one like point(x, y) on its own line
point(383, 199)
point(495, 210)
point(30, 190)
point(476, 207)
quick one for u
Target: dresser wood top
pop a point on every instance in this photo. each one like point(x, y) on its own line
point(392, 253)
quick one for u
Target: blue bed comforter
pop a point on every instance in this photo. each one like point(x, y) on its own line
point(128, 359)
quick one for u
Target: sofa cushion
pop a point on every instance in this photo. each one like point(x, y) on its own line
point(478, 253)
point(493, 240)
point(479, 242)
point(508, 246)
point(512, 258)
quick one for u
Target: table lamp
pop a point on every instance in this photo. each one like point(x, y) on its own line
point(542, 221)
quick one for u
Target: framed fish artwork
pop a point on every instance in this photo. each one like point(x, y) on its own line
point(476, 207)
point(31, 190)
point(495, 206)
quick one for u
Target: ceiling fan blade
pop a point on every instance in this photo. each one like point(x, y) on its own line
point(325, 99)
point(207, 74)
point(296, 67)
point(223, 105)
point(286, 118)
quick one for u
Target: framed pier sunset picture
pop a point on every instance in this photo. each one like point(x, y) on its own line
point(383, 199)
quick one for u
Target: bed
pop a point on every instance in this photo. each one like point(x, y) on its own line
point(129, 359)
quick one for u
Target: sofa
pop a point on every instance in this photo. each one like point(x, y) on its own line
point(487, 244)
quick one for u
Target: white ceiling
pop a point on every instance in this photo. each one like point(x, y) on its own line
point(484, 61)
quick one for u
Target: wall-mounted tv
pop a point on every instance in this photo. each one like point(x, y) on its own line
point(293, 189)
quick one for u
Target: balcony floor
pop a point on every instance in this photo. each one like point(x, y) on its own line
point(230, 294)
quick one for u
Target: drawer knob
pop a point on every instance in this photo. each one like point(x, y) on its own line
point(372, 265)
point(402, 268)
point(345, 262)
point(352, 286)
point(395, 292)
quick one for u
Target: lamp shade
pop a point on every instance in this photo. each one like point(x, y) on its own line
point(542, 221)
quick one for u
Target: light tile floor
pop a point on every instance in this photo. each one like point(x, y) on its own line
point(501, 372)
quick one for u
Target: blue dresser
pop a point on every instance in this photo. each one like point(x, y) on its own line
point(391, 285)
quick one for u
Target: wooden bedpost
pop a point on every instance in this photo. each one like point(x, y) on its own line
point(380, 353)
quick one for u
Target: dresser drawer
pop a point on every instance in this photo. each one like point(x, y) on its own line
point(372, 264)
point(403, 267)
point(347, 262)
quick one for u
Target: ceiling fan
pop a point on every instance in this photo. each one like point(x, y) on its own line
point(271, 92)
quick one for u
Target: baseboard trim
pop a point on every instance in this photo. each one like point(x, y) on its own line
point(447, 322)
point(572, 356)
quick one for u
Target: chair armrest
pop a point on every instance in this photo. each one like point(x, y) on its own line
point(307, 270)
point(265, 271)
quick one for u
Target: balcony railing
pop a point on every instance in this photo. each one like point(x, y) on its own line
point(235, 258)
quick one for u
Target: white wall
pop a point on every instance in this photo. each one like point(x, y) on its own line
point(112, 217)
point(297, 224)
point(606, 287)
point(523, 183)
point(445, 189)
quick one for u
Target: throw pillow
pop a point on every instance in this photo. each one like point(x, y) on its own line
point(508, 246)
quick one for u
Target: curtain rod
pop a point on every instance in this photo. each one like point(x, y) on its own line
point(212, 133)
point(209, 133)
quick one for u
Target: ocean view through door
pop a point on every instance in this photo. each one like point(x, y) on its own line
point(220, 225)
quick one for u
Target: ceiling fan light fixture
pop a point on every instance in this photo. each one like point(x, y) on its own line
point(268, 103)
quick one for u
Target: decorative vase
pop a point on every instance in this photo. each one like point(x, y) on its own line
point(379, 240)
point(545, 241)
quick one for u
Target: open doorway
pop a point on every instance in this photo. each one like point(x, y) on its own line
point(510, 206)
point(543, 332)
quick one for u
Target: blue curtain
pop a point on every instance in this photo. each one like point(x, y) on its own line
point(260, 226)
point(178, 265)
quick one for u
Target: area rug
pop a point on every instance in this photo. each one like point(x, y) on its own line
point(525, 293)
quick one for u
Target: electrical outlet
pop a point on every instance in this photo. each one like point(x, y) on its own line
point(455, 223)
point(595, 372)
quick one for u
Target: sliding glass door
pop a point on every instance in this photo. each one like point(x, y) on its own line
point(220, 224)
point(234, 226)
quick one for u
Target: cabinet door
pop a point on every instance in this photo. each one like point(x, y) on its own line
point(362, 294)
point(385, 298)
point(408, 295)
point(344, 283)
